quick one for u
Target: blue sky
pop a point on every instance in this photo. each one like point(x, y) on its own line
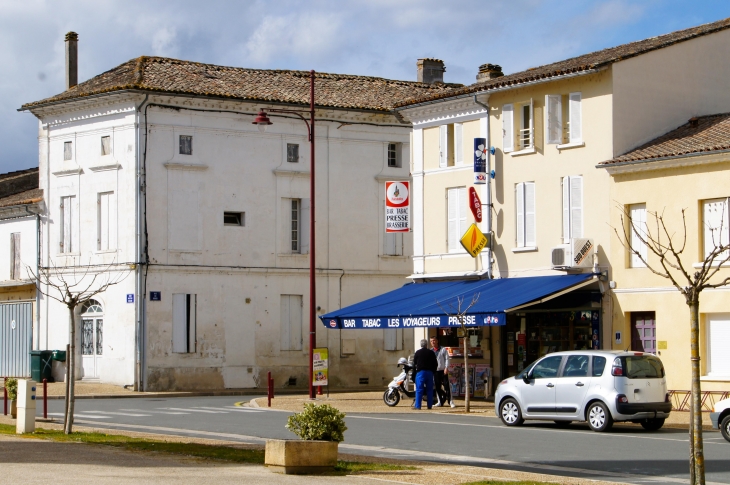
point(369, 37)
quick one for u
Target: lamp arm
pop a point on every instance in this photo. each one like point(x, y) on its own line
point(296, 113)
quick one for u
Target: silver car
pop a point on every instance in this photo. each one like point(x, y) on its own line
point(597, 386)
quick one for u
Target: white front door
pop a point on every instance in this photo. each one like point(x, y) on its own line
point(92, 332)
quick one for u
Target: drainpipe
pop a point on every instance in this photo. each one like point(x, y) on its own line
point(37, 290)
point(139, 304)
point(489, 192)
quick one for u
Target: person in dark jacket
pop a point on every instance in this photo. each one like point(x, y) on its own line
point(426, 364)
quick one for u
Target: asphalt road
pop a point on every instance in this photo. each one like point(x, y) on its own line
point(626, 454)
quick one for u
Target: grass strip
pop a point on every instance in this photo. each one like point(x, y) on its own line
point(214, 452)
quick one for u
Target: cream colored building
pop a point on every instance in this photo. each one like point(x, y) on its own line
point(686, 169)
point(550, 126)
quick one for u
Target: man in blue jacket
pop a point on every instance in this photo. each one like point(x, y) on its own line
point(425, 364)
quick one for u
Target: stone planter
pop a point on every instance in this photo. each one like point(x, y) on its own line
point(300, 457)
point(13, 408)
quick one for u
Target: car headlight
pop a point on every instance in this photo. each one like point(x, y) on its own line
point(503, 382)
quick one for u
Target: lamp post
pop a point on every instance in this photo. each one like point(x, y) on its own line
point(262, 121)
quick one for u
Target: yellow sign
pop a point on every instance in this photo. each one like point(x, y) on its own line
point(321, 367)
point(662, 345)
point(474, 240)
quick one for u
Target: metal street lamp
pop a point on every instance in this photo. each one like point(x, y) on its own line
point(262, 122)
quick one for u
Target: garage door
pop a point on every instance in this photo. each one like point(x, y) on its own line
point(16, 338)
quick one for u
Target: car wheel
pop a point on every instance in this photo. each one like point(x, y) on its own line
point(391, 397)
point(652, 424)
point(725, 427)
point(599, 417)
point(509, 412)
point(562, 424)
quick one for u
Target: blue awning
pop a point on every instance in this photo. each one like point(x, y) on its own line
point(430, 304)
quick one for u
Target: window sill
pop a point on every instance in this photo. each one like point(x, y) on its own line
point(394, 256)
point(65, 255)
point(715, 378)
point(574, 144)
point(525, 151)
point(715, 264)
point(292, 255)
point(106, 251)
point(524, 250)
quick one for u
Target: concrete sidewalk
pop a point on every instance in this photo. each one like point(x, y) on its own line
point(71, 463)
point(372, 402)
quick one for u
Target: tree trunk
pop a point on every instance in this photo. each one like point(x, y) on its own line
point(71, 359)
point(466, 367)
point(696, 409)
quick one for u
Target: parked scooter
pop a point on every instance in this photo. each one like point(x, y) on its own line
point(398, 385)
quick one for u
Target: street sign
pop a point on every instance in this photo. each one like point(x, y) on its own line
point(397, 207)
point(474, 240)
point(155, 296)
point(320, 367)
point(475, 204)
point(130, 297)
point(480, 161)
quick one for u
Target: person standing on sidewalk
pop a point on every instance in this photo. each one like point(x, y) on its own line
point(425, 364)
point(441, 377)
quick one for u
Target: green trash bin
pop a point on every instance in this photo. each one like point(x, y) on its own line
point(59, 355)
point(40, 365)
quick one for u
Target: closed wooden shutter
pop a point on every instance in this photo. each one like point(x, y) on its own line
point(291, 322)
point(453, 219)
point(15, 256)
point(520, 210)
point(718, 339)
point(576, 131)
point(458, 144)
point(184, 310)
point(576, 207)
point(530, 239)
point(715, 219)
point(554, 108)
point(566, 210)
point(304, 225)
point(637, 213)
point(508, 129)
point(462, 213)
point(443, 145)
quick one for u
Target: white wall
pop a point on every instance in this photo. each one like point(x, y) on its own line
point(26, 226)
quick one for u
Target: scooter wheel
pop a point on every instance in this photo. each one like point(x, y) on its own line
point(391, 397)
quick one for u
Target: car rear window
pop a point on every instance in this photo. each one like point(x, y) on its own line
point(599, 363)
point(642, 367)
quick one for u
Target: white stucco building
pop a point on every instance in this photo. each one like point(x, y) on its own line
point(156, 169)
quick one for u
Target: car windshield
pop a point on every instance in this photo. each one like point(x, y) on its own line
point(643, 367)
point(525, 371)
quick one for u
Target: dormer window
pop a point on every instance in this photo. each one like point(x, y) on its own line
point(292, 152)
point(186, 144)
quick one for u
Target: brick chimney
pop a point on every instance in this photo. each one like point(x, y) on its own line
point(489, 71)
point(72, 60)
point(430, 71)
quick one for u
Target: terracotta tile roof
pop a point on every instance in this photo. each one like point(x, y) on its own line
point(27, 197)
point(165, 75)
point(586, 62)
point(699, 135)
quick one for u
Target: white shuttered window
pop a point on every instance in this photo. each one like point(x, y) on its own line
point(718, 341)
point(508, 128)
point(525, 203)
point(184, 311)
point(554, 123)
point(69, 225)
point(572, 208)
point(458, 144)
point(291, 322)
point(576, 129)
point(715, 222)
point(637, 213)
point(443, 146)
point(456, 202)
point(393, 244)
point(106, 221)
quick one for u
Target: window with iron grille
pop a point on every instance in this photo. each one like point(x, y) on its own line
point(186, 144)
point(292, 152)
point(393, 155)
point(296, 212)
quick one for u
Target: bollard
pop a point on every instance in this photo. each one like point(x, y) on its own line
point(268, 385)
point(45, 399)
point(272, 388)
point(5, 397)
point(319, 390)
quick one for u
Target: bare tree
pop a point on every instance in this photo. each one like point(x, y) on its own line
point(459, 311)
point(667, 260)
point(73, 286)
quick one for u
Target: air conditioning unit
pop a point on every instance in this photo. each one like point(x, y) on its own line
point(577, 254)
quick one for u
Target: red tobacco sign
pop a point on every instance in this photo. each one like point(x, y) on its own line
point(475, 204)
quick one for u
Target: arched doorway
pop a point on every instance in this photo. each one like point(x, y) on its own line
point(92, 338)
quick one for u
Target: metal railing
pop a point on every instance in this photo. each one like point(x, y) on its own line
point(681, 399)
point(526, 138)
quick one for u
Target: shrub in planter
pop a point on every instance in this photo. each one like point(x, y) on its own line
point(323, 423)
point(11, 384)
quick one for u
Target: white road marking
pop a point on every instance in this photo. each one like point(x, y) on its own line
point(196, 410)
point(154, 412)
point(79, 415)
point(232, 408)
point(134, 415)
